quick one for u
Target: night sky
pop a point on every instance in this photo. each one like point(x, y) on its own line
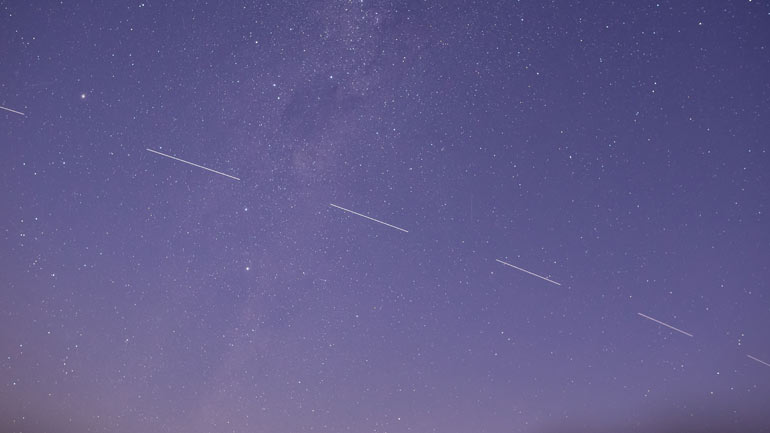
point(619, 149)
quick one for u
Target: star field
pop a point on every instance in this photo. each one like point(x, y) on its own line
point(397, 216)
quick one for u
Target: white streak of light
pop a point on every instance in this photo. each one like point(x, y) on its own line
point(193, 164)
point(530, 273)
point(12, 111)
point(362, 215)
point(758, 360)
point(665, 324)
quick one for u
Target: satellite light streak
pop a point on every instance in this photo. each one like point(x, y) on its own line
point(193, 164)
point(665, 324)
point(530, 273)
point(12, 111)
point(368, 217)
point(758, 360)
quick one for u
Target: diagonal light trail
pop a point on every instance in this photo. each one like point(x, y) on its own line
point(368, 217)
point(665, 324)
point(12, 111)
point(193, 164)
point(758, 360)
point(530, 273)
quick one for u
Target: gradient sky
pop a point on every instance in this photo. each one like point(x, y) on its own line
point(618, 148)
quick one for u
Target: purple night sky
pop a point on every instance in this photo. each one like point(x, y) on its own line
point(617, 148)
